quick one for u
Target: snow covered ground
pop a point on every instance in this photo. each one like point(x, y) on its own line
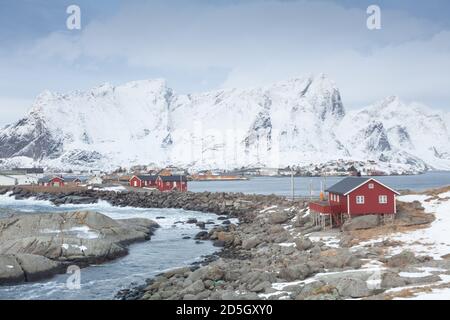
point(432, 241)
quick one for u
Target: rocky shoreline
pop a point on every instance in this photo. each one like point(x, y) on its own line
point(237, 205)
point(37, 246)
point(275, 252)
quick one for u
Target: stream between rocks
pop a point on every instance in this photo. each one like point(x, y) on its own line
point(166, 250)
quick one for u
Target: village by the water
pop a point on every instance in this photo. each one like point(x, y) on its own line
point(352, 234)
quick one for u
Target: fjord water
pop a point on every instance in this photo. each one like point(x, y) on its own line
point(164, 251)
point(282, 185)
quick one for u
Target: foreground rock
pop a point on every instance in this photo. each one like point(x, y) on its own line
point(26, 267)
point(362, 222)
point(275, 243)
point(34, 246)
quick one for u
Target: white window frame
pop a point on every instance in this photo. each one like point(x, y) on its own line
point(337, 198)
point(360, 199)
point(383, 196)
point(371, 186)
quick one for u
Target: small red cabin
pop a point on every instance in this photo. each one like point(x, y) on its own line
point(71, 181)
point(162, 183)
point(143, 181)
point(169, 183)
point(355, 196)
point(51, 182)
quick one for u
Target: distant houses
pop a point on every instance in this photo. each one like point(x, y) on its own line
point(168, 183)
point(160, 182)
point(20, 176)
point(50, 181)
point(143, 181)
point(95, 180)
point(60, 181)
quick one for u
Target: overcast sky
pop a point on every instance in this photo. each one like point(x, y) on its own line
point(199, 45)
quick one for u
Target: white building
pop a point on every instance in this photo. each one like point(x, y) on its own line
point(11, 179)
point(7, 180)
point(95, 180)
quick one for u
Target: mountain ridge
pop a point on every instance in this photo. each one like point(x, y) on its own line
point(293, 122)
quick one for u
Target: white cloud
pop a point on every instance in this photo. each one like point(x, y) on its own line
point(265, 41)
point(11, 108)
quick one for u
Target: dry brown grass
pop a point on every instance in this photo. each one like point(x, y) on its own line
point(435, 192)
point(44, 189)
point(408, 214)
point(431, 192)
point(326, 289)
point(329, 253)
point(378, 232)
point(413, 291)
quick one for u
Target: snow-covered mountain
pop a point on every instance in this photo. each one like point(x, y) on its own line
point(294, 122)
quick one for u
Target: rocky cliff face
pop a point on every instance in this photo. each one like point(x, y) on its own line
point(298, 121)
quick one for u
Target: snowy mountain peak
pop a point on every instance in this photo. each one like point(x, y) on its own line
point(150, 85)
point(292, 122)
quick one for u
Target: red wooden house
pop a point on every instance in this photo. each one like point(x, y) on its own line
point(59, 181)
point(169, 183)
point(51, 182)
point(71, 181)
point(354, 196)
point(143, 181)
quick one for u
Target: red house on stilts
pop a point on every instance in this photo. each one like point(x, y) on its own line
point(354, 196)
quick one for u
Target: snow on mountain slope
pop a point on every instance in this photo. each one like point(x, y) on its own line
point(394, 131)
point(283, 124)
point(294, 122)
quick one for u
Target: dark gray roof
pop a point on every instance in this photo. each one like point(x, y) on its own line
point(147, 177)
point(30, 170)
point(73, 179)
point(173, 178)
point(48, 178)
point(347, 184)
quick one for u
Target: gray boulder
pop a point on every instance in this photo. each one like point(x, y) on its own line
point(10, 270)
point(295, 272)
point(402, 259)
point(303, 243)
point(278, 217)
point(38, 267)
point(251, 242)
point(194, 288)
point(40, 242)
point(308, 289)
point(231, 295)
point(352, 288)
point(392, 280)
point(26, 267)
point(362, 222)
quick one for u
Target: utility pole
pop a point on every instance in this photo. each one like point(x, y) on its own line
point(292, 184)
